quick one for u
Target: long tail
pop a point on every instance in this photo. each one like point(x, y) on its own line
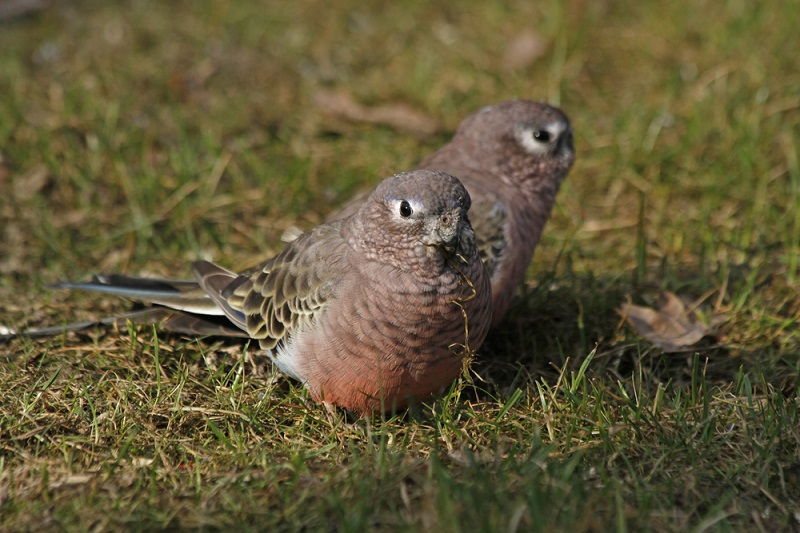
point(182, 295)
point(179, 306)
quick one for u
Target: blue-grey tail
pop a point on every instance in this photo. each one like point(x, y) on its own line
point(182, 295)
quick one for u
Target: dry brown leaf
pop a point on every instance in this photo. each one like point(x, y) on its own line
point(397, 115)
point(672, 327)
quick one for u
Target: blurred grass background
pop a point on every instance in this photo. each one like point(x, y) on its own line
point(136, 136)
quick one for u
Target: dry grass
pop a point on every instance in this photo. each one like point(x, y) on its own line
point(138, 136)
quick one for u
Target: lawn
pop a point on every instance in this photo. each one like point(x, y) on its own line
point(136, 136)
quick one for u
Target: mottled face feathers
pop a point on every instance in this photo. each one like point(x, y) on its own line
point(410, 212)
point(553, 139)
point(419, 195)
point(518, 135)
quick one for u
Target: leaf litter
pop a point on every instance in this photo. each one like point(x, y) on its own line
point(672, 327)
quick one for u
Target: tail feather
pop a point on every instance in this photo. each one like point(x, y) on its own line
point(141, 316)
point(202, 326)
point(168, 319)
point(180, 306)
point(182, 295)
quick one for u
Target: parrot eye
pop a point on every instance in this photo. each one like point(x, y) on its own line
point(405, 209)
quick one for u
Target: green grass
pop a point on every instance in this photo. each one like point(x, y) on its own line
point(137, 136)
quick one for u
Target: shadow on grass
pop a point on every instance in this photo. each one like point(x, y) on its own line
point(556, 324)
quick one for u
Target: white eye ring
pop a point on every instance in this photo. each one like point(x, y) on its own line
point(539, 140)
point(406, 208)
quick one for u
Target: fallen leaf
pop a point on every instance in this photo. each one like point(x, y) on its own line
point(397, 115)
point(672, 327)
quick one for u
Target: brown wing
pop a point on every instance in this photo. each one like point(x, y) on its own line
point(286, 293)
